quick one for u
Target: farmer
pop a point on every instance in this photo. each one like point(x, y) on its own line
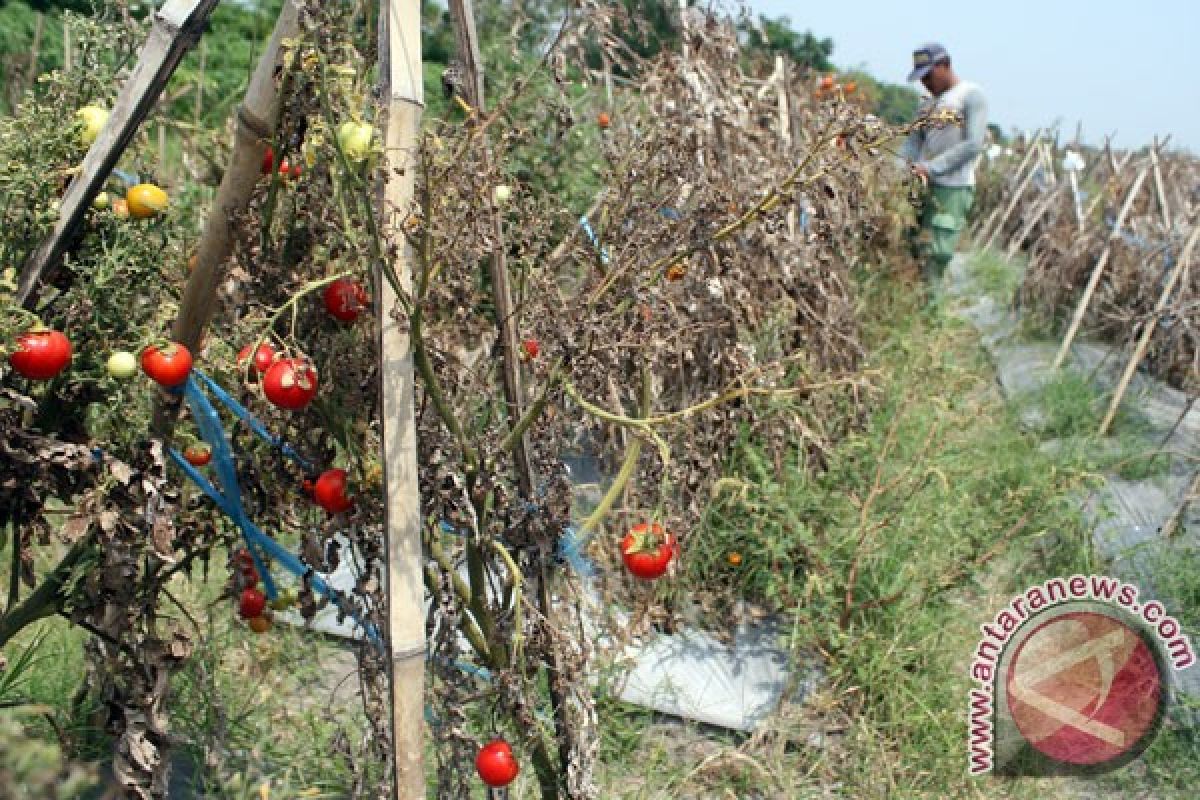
point(944, 158)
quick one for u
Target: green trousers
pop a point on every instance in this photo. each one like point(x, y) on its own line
point(943, 217)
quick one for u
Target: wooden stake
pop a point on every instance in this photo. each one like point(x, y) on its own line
point(1076, 200)
point(175, 28)
point(1143, 344)
point(1159, 190)
point(1029, 151)
point(1036, 213)
point(1012, 204)
point(1098, 270)
point(402, 88)
point(68, 56)
point(785, 130)
point(198, 108)
point(255, 122)
point(1172, 522)
point(34, 51)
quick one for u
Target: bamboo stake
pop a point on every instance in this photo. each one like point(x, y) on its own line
point(34, 51)
point(255, 119)
point(1020, 170)
point(1143, 344)
point(1076, 199)
point(1159, 191)
point(785, 130)
point(1172, 522)
point(176, 26)
point(1098, 270)
point(68, 56)
point(400, 75)
point(1036, 213)
point(198, 108)
point(1012, 204)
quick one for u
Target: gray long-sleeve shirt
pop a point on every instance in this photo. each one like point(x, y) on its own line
point(950, 153)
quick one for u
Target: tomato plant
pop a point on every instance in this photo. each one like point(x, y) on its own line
point(496, 764)
point(40, 355)
point(290, 383)
point(167, 366)
point(647, 550)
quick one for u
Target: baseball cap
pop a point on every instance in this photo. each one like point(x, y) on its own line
point(924, 57)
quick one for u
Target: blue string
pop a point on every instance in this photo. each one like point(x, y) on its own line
point(228, 497)
point(587, 229)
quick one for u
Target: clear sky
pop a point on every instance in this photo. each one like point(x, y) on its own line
point(1129, 68)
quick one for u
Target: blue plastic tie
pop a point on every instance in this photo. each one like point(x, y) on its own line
point(587, 229)
point(228, 496)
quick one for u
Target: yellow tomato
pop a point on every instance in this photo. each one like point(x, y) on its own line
point(145, 200)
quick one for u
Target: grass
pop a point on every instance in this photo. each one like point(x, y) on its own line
point(995, 276)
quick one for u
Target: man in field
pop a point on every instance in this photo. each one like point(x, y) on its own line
point(944, 157)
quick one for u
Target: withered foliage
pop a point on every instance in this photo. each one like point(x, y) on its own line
point(1063, 255)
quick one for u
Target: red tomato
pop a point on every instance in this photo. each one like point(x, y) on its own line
point(345, 299)
point(262, 357)
point(330, 491)
point(530, 348)
point(290, 383)
point(252, 603)
point(197, 455)
point(167, 366)
point(40, 355)
point(268, 161)
point(647, 550)
point(496, 764)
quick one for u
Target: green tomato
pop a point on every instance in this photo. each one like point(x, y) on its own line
point(122, 364)
point(355, 140)
point(101, 201)
point(501, 194)
point(93, 118)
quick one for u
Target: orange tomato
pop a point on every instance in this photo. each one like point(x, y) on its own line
point(259, 624)
point(675, 272)
point(734, 559)
point(603, 120)
point(826, 83)
point(120, 208)
point(145, 200)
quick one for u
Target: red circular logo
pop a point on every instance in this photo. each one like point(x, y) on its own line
point(1084, 688)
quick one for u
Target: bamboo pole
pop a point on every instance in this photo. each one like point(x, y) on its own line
point(785, 130)
point(1098, 270)
point(175, 27)
point(199, 107)
point(1143, 344)
point(1012, 204)
point(255, 121)
point(402, 87)
point(1019, 171)
point(68, 55)
point(1172, 522)
point(35, 50)
point(1076, 200)
point(1159, 190)
point(1036, 213)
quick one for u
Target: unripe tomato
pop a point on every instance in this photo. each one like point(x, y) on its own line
point(345, 299)
point(354, 138)
point(101, 201)
point(647, 550)
point(263, 356)
point(145, 200)
point(496, 764)
point(290, 383)
point(40, 355)
point(329, 491)
point(501, 194)
point(167, 366)
point(251, 603)
point(259, 624)
point(121, 364)
point(94, 119)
